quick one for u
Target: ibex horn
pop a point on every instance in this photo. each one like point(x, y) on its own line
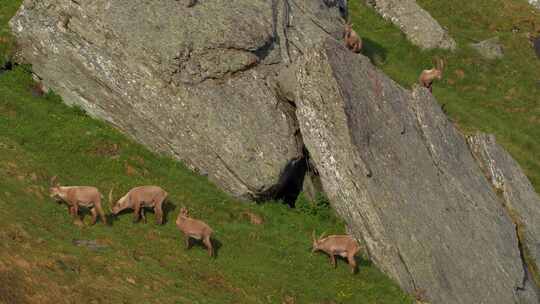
point(53, 180)
point(111, 198)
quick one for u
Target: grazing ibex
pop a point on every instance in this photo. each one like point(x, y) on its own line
point(78, 196)
point(428, 76)
point(139, 198)
point(196, 229)
point(341, 245)
point(352, 40)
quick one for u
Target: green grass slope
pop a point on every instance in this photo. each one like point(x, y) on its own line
point(145, 263)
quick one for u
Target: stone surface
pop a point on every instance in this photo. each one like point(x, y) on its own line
point(415, 22)
point(405, 181)
point(520, 199)
point(195, 83)
point(490, 48)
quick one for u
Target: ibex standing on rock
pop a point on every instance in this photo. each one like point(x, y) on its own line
point(341, 245)
point(139, 198)
point(352, 40)
point(428, 76)
point(78, 196)
point(196, 229)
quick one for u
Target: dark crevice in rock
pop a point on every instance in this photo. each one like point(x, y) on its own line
point(8, 66)
point(426, 140)
point(289, 184)
point(411, 278)
point(264, 50)
point(291, 180)
point(523, 260)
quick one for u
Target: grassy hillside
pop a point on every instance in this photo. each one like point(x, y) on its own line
point(145, 263)
point(40, 261)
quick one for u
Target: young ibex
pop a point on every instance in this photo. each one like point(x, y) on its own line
point(352, 40)
point(196, 229)
point(428, 76)
point(78, 196)
point(341, 245)
point(139, 198)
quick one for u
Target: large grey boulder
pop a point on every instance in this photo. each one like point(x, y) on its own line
point(415, 22)
point(195, 83)
point(396, 169)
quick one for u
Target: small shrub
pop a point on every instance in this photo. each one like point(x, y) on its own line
point(318, 207)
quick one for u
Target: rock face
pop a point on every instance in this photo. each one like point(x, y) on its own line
point(405, 181)
point(417, 24)
point(520, 200)
point(256, 93)
point(490, 48)
point(195, 83)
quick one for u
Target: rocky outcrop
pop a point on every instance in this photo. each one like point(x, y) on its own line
point(490, 48)
point(415, 22)
point(404, 179)
point(195, 83)
point(520, 200)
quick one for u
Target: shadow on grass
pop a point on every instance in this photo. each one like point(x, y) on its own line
point(216, 244)
point(168, 207)
point(374, 51)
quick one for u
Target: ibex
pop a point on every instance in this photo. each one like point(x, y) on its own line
point(139, 198)
point(352, 40)
point(78, 196)
point(428, 76)
point(341, 245)
point(196, 229)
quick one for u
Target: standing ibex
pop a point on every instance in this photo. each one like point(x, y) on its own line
point(428, 76)
point(341, 245)
point(352, 40)
point(139, 198)
point(78, 196)
point(196, 229)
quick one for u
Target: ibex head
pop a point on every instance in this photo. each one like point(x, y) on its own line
point(439, 67)
point(54, 189)
point(316, 242)
point(120, 205)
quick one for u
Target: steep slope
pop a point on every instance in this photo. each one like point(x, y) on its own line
point(45, 258)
